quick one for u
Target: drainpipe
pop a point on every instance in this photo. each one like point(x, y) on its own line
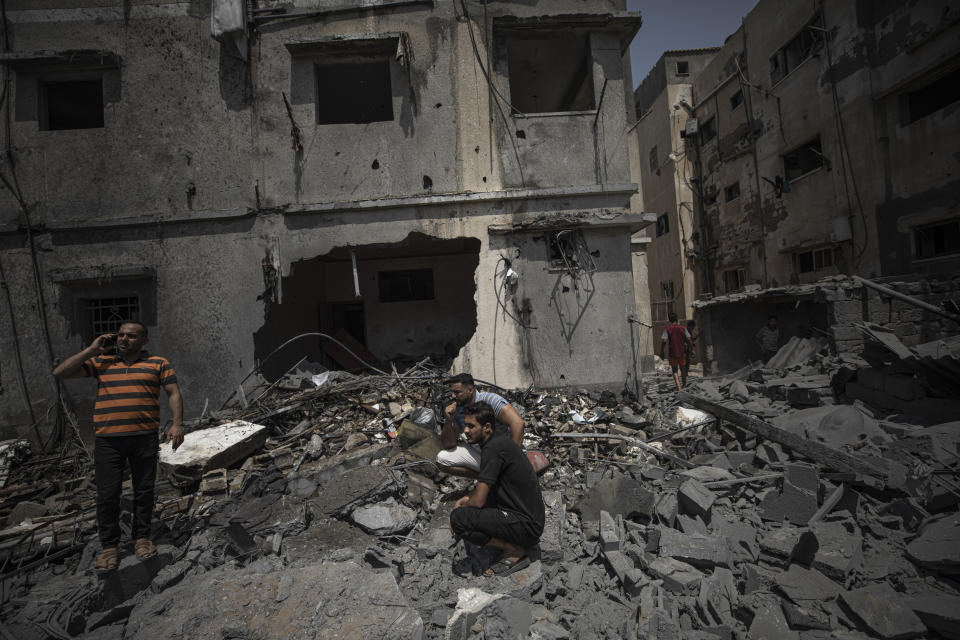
point(748, 105)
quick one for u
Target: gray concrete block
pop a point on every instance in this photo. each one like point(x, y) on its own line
point(703, 552)
point(938, 611)
point(839, 548)
point(802, 585)
point(695, 499)
point(609, 533)
point(551, 541)
point(618, 495)
point(677, 576)
point(797, 501)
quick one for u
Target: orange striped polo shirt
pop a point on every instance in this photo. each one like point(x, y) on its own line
point(127, 396)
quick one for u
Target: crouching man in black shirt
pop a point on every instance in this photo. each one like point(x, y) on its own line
point(505, 509)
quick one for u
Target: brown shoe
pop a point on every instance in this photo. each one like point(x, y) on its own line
point(144, 549)
point(106, 561)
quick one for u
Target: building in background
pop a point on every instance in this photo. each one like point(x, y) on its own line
point(414, 177)
point(825, 140)
point(667, 177)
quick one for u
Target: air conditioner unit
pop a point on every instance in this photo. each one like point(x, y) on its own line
point(691, 127)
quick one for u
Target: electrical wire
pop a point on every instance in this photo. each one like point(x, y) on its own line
point(493, 88)
point(496, 290)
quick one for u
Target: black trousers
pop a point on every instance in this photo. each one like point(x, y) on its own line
point(111, 454)
point(478, 526)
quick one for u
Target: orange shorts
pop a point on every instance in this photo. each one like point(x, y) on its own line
point(676, 363)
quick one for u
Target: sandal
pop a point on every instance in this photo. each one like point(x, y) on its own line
point(144, 549)
point(505, 566)
point(106, 561)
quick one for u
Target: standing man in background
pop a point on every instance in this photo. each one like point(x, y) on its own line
point(126, 420)
point(678, 339)
point(768, 338)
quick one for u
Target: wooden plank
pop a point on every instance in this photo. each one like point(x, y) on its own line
point(632, 441)
point(816, 451)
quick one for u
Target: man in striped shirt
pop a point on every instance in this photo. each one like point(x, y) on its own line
point(126, 419)
point(464, 460)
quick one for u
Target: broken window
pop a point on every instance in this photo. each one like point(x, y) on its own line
point(803, 160)
point(732, 192)
point(788, 58)
point(736, 99)
point(654, 160)
point(568, 250)
point(930, 98)
point(683, 68)
point(935, 240)
point(666, 304)
point(71, 104)
point(405, 285)
point(354, 90)
point(810, 261)
point(708, 130)
point(663, 225)
point(550, 73)
point(734, 280)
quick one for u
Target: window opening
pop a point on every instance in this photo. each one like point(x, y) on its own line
point(708, 130)
point(354, 91)
point(666, 304)
point(663, 225)
point(71, 104)
point(654, 160)
point(734, 280)
point(736, 99)
point(107, 314)
point(550, 73)
point(405, 285)
point(801, 47)
point(816, 260)
point(568, 251)
point(935, 240)
point(683, 68)
point(732, 192)
point(929, 99)
point(803, 160)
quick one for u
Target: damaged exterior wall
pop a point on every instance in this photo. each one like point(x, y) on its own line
point(201, 179)
point(666, 183)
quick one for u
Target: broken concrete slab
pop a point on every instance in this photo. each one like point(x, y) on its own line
point(797, 500)
point(695, 499)
point(804, 618)
point(332, 600)
point(384, 518)
point(678, 577)
point(938, 546)
point(214, 448)
point(618, 494)
point(802, 585)
point(938, 611)
point(551, 541)
point(355, 487)
point(701, 551)
point(883, 612)
point(839, 548)
point(769, 623)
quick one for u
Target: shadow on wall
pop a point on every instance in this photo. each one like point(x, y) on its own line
point(235, 82)
point(405, 301)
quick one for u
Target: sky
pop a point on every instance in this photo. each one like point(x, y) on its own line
point(681, 24)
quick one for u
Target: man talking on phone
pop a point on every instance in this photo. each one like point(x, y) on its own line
point(126, 420)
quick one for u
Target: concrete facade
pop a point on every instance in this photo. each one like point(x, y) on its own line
point(667, 177)
point(230, 197)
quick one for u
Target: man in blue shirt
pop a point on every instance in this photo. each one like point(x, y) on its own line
point(463, 460)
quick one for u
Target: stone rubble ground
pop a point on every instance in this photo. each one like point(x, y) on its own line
point(657, 527)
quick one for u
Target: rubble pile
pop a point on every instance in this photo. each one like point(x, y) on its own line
point(771, 503)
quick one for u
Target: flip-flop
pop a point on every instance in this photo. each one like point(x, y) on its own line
point(505, 566)
point(106, 561)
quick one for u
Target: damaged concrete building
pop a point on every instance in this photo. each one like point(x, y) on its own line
point(413, 177)
point(818, 141)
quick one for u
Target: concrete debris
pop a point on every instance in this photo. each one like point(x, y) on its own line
point(775, 509)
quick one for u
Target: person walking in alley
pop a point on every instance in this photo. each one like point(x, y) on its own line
point(676, 339)
point(505, 510)
point(464, 460)
point(768, 338)
point(126, 420)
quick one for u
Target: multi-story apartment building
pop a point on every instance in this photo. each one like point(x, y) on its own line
point(667, 180)
point(414, 177)
point(825, 136)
